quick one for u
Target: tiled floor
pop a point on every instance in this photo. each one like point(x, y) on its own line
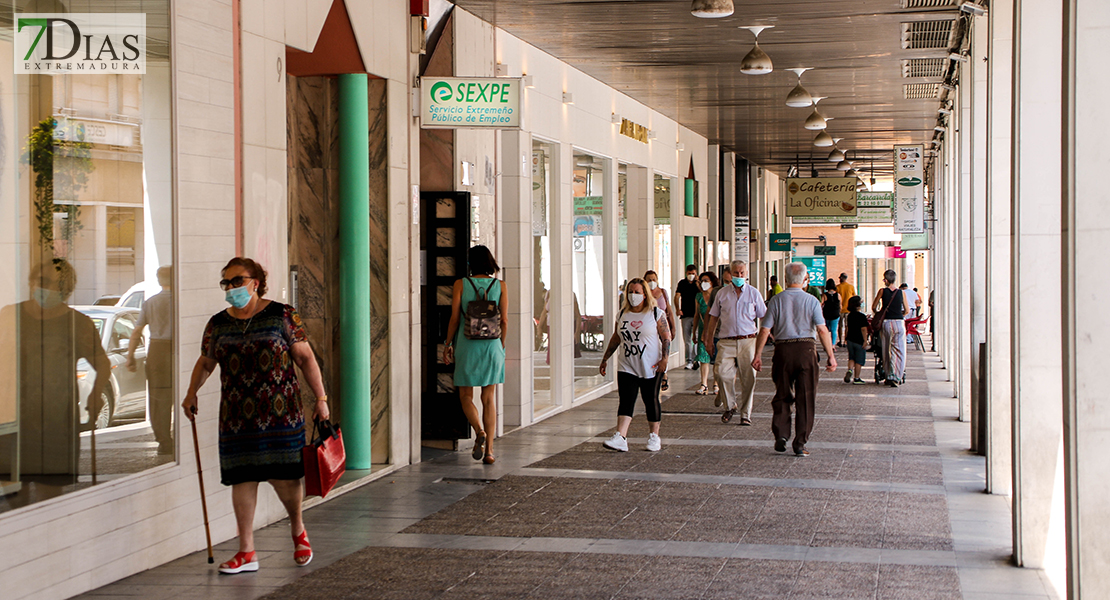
point(889, 505)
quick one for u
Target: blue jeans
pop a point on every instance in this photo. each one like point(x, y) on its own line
point(831, 324)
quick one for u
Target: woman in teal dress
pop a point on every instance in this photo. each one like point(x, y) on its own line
point(707, 283)
point(478, 362)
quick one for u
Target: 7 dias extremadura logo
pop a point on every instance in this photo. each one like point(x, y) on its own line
point(77, 43)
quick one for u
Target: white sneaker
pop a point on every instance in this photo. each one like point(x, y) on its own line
point(617, 442)
point(654, 443)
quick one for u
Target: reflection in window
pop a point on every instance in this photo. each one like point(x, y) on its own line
point(542, 192)
point(622, 225)
point(86, 390)
point(662, 231)
point(588, 248)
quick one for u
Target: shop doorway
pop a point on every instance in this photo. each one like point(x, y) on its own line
point(444, 242)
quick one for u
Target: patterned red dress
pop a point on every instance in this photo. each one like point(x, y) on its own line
point(261, 420)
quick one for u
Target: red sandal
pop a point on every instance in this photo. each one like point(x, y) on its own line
point(242, 562)
point(302, 557)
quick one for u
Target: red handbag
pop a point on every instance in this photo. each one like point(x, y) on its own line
point(325, 461)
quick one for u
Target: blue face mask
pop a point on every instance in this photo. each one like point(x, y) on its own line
point(238, 297)
point(738, 281)
point(46, 298)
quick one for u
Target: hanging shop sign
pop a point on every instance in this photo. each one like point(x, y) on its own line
point(871, 207)
point(742, 239)
point(821, 197)
point(80, 43)
point(915, 241)
point(779, 242)
point(470, 102)
point(588, 205)
point(587, 225)
point(824, 250)
point(909, 189)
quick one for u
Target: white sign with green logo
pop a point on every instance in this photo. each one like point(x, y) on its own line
point(909, 189)
point(79, 43)
point(470, 102)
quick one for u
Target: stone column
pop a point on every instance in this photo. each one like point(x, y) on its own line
point(516, 250)
point(960, 130)
point(641, 212)
point(1036, 283)
point(975, 74)
point(999, 113)
point(1086, 327)
point(561, 306)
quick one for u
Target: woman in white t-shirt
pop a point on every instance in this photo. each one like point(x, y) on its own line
point(643, 334)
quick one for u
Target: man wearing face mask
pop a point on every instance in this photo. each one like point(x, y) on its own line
point(685, 299)
point(735, 308)
point(52, 337)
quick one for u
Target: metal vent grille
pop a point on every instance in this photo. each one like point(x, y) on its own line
point(923, 67)
point(921, 91)
point(928, 3)
point(921, 35)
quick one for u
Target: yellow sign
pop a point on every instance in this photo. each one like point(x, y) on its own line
point(634, 130)
point(821, 197)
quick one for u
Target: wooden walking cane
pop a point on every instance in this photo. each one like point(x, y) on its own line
point(200, 478)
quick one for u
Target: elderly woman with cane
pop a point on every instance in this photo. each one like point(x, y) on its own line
point(256, 342)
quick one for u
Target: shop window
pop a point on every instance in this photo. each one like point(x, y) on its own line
point(543, 188)
point(86, 222)
point(662, 231)
point(591, 298)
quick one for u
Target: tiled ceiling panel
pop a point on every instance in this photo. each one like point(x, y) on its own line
point(924, 67)
point(688, 68)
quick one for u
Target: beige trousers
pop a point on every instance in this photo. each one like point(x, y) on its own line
point(734, 361)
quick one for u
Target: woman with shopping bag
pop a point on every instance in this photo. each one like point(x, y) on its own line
point(256, 342)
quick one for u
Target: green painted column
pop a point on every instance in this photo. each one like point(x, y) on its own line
point(689, 195)
point(354, 268)
point(690, 241)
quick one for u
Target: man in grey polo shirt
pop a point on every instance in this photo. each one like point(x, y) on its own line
point(736, 307)
point(794, 317)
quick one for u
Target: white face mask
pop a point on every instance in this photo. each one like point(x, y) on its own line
point(635, 299)
point(689, 277)
point(653, 284)
point(705, 285)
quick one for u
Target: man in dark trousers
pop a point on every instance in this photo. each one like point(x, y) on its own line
point(794, 317)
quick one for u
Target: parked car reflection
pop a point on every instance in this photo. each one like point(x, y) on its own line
point(125, 397)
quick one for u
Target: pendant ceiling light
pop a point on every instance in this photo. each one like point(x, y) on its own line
point(823, 140)
point(816, 121)
point(851, 173)
point(756, 62)
point(843, 165)
point(836, 155)
point(799, 97)
point(711, 9)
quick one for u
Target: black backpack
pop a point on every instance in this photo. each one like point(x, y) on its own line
point(831, 309)
point(482, 319)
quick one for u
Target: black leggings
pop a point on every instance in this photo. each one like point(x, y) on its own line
point(627, 387)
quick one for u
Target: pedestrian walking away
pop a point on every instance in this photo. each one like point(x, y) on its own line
point(794, 318)
point(858, 334)
point(157, 313)
point(891, 307)
point(685, 301)
point(913, 300)
point(830, 308)
point(644, 336)
point(664, 304)
point(476, 350)
point(846, 291)
point(707, 283)
point(735, 309)
point(256, 343)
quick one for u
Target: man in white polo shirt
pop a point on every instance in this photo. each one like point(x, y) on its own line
point(736, 308)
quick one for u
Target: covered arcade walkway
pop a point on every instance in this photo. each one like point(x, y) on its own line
point(889, 505)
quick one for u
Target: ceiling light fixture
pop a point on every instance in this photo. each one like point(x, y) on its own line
point(843, 165)
point(944, 111)
point(941, 128)
point(973, 8)
point(711, 9)
point(615, 118)
point(528, 81)
point(816, 121)
point(568, 98)
point(836, 155)
point(823, 140)
point(756, 62)
point(799, 97)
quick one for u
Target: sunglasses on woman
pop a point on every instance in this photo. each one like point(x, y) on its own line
point(234, 282)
